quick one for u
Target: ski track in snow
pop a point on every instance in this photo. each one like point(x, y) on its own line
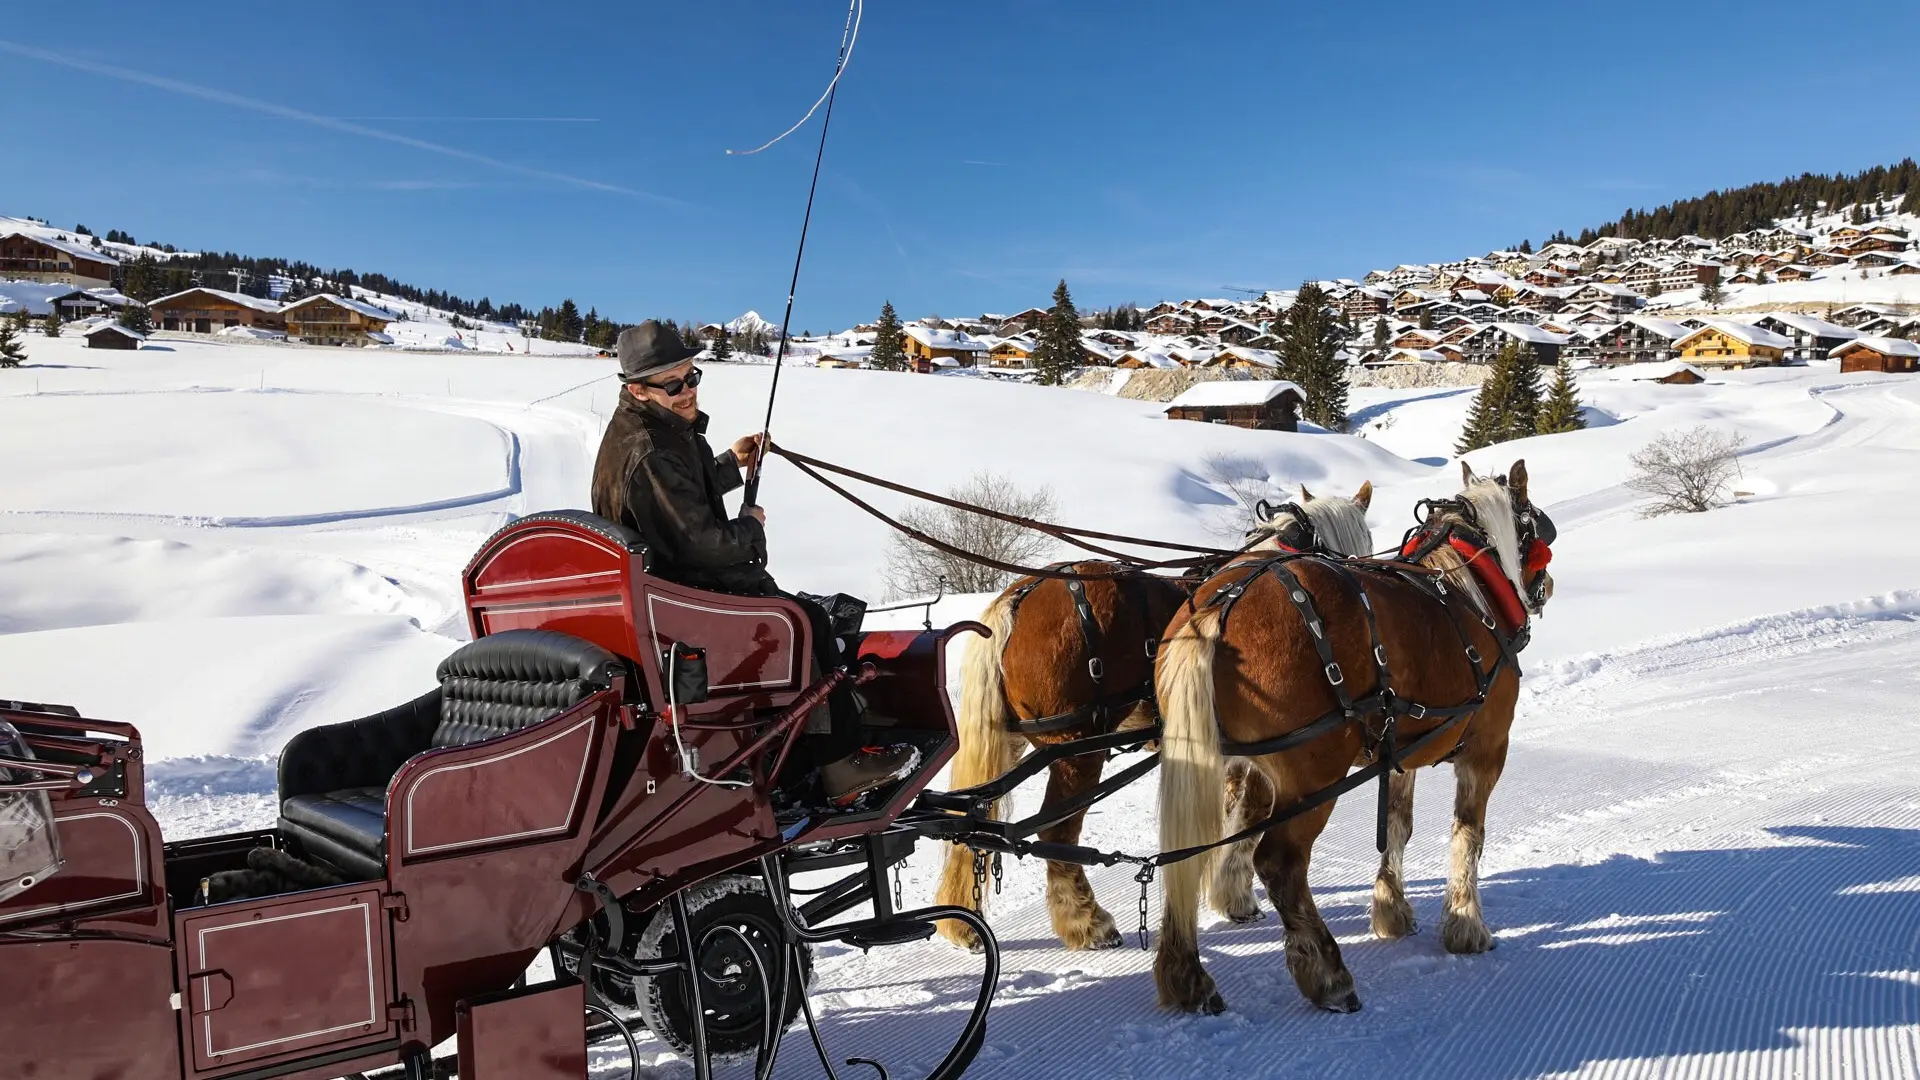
point(1700, 862)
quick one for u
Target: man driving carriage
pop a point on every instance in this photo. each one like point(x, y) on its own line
point(657, 475)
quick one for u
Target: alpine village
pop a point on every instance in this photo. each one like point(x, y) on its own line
point(1755, 276)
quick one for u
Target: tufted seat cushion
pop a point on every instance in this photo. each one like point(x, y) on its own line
point(333, 780)
point(345, 827)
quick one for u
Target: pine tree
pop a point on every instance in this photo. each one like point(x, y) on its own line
point(1483, 416)
point(1712, 293)
point(22, 321)
point(136, 318)
point(1520, 410)
point(889, 351)
point(1508, 404)
point(1309, 358)
point(1058, 350)
point(1859, 216)
point(1560, 412)
point(567, 322)
point(1380, 336)
point(50, 326)
point(12, 355)
point(723, 345)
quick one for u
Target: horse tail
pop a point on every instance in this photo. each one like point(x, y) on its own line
point(1192, 796)
point(987, 749)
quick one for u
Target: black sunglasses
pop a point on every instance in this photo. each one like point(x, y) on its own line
point(674, 387)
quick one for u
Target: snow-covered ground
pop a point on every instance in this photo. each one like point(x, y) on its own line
point(1701, 861)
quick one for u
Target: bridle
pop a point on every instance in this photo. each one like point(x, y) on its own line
point(1304, 536)
point(1533, 529)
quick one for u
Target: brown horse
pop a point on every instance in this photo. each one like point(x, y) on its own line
point(1245, 663)
point(1039, 667)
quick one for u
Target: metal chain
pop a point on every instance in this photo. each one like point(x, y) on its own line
point(996, 873)
point(897, 902)
point(1145, 878)
point(979, 876)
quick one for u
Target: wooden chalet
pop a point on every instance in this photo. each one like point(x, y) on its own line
point(1011, 353)
point(85, 303)
point(57, 259)
point(1813, 339)
point(1878, 354)
point(1262, 405)
point(335, 320)
point(1485, 344)
point(1728, 344)
point(1031, 319)
point(1671, 373)
point(1244, 358)
point(1856, 314)
point(1639, 339)
point(1794, 272)
point(113, 336)
point(928, 348)
point(208, 311)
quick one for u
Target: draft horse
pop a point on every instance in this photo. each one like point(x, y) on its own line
point(1073, 658)
point(1305, 666)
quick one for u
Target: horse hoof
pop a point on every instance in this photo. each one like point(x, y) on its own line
point(1465, 937)
point(1249, 918)
point(1110, 939)
point(1214, 1005)
point(1348, 1004)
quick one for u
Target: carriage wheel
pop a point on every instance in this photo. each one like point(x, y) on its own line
point(731, 966)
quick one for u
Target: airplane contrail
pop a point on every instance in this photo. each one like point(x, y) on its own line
point(346, 127)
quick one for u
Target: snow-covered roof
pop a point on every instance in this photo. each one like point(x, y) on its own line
point(1739, 331)
point(1233, 392)
point(115, 328)
point(1531, 334)
point(379, 338)
point(1666, 328)
point(1656, 372)
point(1260, 357)
point(71, 247)
point(1152, 358)
point(360, 306)
point(943, 339)
point(1807, 324)
point(1885, 346)
point(256, 303)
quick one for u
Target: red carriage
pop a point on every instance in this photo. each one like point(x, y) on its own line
point(600, 774)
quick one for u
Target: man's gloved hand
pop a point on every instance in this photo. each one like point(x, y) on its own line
point(746, 446)
point(755, 513)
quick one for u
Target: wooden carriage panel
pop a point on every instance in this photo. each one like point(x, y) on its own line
point(112, 857)
point(524, 788)
point(283, 977)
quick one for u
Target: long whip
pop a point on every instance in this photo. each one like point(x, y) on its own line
point(847, 37)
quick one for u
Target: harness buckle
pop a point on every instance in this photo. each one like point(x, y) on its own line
point(1153, 648)
point(1380, 656)
point(1417, 711)
point(1334, 675)
point(1096, 669)
point(1473, 655)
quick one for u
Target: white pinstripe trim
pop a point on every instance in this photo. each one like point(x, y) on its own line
point(579, 782)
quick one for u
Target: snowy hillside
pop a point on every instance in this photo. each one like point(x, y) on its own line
point(1700, 861)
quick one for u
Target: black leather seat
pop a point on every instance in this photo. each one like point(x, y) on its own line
point(333, 780)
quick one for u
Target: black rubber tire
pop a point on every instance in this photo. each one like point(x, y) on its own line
point(730, 985)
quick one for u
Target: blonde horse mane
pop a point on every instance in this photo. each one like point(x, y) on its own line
point(1493, 507)
point(1339, 521)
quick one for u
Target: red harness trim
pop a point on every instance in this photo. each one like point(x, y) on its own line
point(1507, 606)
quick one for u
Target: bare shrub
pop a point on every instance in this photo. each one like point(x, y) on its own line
point(914, 569)
point(1686, 471)
point(1245, 482)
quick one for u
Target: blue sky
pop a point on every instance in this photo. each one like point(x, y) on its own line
point(980, 150)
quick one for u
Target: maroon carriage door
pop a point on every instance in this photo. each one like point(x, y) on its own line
point(284, 977)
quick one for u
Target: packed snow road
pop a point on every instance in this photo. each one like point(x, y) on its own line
point(1701, 861)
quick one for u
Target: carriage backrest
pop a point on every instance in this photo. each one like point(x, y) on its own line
point(583, 575)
